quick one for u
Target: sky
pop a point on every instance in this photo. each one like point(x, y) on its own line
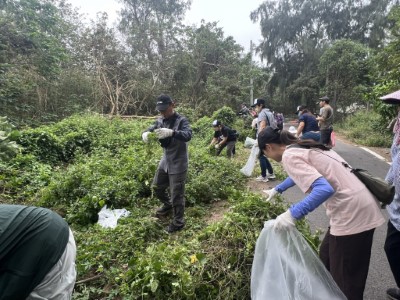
point(232, 15)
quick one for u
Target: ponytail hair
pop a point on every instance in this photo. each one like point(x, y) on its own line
point(284, 137)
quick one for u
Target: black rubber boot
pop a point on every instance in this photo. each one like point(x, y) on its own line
point(178, 223)
point(393, 294)
point(163, 211)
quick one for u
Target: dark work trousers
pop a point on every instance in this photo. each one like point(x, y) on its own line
point(347, 259)
point(265, 165)
point(326, 135)
point(230, 149)
point(176, 196)
point(392, 249)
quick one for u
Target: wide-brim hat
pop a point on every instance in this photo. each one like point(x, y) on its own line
point(392, 98)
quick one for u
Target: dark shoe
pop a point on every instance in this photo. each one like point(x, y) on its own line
point(393, 294)
point(163, 211)
point(173, 228)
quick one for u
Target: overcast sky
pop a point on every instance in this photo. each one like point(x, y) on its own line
point(232, 15)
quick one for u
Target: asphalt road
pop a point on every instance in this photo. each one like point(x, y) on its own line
point(380, 277)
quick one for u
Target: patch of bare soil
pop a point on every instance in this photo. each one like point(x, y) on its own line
point(217, 211)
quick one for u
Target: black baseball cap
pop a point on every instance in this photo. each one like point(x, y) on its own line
point(163, 101)
point(258, 101)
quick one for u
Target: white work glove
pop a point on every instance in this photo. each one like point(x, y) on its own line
point(145, 136)
point(271, 193)
point(284, 221)
point(217, 146)
point(163, 133)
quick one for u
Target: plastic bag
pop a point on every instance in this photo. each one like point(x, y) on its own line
point(248, 168)
point(285, 267)
point(249, 142)
point(108, 218)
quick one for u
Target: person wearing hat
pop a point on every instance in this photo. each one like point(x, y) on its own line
point(265, 119)
point(224, 136)
point(308, 125)
point(392, 242)
point(325, 120)
point(174, 132)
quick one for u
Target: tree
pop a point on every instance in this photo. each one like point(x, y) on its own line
point(345, 67)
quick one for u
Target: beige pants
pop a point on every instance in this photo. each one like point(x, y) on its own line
point(59, 283)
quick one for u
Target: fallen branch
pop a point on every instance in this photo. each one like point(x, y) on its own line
point(89, 279)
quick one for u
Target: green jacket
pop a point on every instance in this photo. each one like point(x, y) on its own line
point(32, 240)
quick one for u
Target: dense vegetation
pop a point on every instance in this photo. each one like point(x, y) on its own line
point(54, 64)
point(59, 76)
point(82, 163)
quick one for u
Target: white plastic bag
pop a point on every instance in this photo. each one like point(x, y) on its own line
point(108, 218)
point(249, 142)
point(248, 168)
point(285, 267)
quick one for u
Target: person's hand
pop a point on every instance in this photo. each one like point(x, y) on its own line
point(284, 221)
point(163, 133)
point(271, 193)
point(217, 146)
point(145, 136)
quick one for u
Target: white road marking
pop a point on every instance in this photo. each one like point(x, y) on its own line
point(375, 154)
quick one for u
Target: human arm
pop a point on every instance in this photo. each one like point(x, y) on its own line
point(184, 132)
point(222, 142)
point(280, 188)
point(300, 128)
point(321, 190)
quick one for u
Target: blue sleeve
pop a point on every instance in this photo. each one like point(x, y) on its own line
point(284, 185)
point(321, 191)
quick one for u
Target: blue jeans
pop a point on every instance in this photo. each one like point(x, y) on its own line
point(264, 165)
point(311, 135)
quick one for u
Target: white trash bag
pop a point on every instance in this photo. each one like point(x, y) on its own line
point(249, 142)
point(108, 218)
point(248, 168)
point(285, 267)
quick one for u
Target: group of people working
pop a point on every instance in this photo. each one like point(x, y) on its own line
point(353, 211)
point(316, 127)
point(37, 248)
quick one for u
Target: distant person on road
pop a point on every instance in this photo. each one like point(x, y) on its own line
point(37, 254)
point(174, 133)
point(325, 120)
point(279, 120)
point(392, 243)
point(265, 118)
point(308, 125)
point(244, 110)
point(353, 211)
point(224, 136)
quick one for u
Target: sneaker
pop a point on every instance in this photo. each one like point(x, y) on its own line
point(173, 228)
point(393, 294)
point(262, 179)
point(163, 211)
point(271, 176)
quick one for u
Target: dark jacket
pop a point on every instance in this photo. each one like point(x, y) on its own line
point(175, 157)
point(32, 240)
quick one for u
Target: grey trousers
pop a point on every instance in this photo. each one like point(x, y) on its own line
point(170, 189)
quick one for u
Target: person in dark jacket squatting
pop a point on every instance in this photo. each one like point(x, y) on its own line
point(37, 254)
point(173, 132)
point(224, 136)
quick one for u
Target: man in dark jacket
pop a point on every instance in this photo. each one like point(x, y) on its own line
point(173, 132)
point(37, 254)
